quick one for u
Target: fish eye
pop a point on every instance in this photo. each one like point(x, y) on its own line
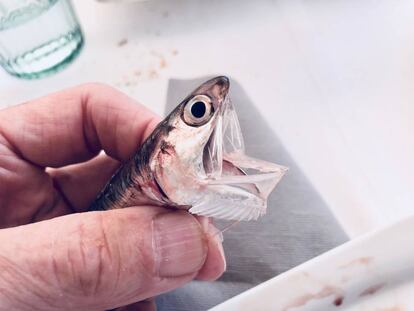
point(198, 110)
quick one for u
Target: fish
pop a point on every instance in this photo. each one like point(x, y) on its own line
point(195, 160)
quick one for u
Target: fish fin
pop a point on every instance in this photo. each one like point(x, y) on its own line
point(229, 203)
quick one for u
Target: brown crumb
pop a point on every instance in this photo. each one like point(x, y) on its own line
point(137, 73)
point(152, 74)
point(163, 62)
point(165, 14)
point(122, 42)
point(174, 52)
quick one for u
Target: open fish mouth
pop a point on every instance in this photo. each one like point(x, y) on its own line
point(244, 181)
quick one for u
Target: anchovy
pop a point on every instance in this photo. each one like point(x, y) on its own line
point(195, 160)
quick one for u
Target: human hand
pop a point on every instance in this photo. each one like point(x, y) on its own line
point(52, 256)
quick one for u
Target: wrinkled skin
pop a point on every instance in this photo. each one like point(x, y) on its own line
point(53, 256)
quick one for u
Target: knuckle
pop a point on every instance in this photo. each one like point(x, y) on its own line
point(90, 258)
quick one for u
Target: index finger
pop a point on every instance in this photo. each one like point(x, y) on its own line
point(73, 125)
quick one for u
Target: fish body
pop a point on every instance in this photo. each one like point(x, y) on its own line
point(195, 160)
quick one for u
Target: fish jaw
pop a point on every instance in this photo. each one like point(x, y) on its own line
point(237, 186)
point(237, 195)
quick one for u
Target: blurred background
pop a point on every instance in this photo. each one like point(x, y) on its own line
point(334, 79)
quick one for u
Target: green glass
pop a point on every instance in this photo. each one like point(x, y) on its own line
point(38, 37)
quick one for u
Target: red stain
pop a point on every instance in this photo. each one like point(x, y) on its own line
point(396, 308)
point(362, 261)
point(323, 293)
point(371, 290)
point(338, 301)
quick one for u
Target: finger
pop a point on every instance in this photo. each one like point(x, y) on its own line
point(80, 183)
point(215, 263)
point(73, 125)
point(99, 260)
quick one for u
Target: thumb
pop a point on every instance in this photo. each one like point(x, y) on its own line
point(99, 260)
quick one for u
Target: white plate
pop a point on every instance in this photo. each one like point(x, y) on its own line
point(371, 273)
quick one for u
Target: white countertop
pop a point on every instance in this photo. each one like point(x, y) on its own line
point(334, 78)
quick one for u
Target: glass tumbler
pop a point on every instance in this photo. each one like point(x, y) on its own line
point(38, 37)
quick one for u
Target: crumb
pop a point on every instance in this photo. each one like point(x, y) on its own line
point(152, 74)
point(174, 52)
point(137, 73)
point(163, 62)
point(165, 14)
point(122, 42)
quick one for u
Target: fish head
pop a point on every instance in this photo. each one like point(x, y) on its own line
point(201, 163)
point(189, 130)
